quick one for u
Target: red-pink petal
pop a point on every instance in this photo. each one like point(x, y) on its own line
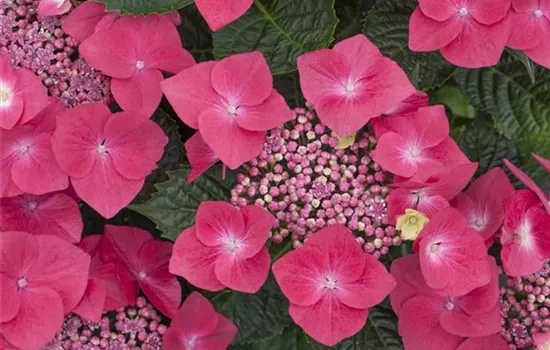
point(531, 33)
point(34, 94)
point(81, 22)
point(419, 321)
point(482, 299)
point(194, 261)
point(478, 45)
point(123, 243)
point(257, 227)
point(545, 163)
point(200, 156)
point(218, 13)
point(79, 133)
point(190, 92)
point(439, 10)
point(243, 79)
point(243, 274)
point(91, 305)
point(432, 125)
point(105, 190)
point(134, 144)
point(358, 46)
point(53, 7)
point(231, 143)
point(271, 113)
point(427, 34)
point(221, 337)
point(489, 11)
point(9, 116)
point(164, 294)
point(527, 181)
point(541, 53)
point(61, 267)
point(23, 251)
point(171, 59)
point(493, 342)
point(36, 171)
point(462, 324)
point(328, 321)
point(196, 316)
point(139, 93)
point(38, 320)
point(218, 221)
point(10, 301)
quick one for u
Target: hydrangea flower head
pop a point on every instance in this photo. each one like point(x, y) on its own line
point(135, 326)
point(525, 234)
point(107, 156)
point(49, 214)
point(469, 34)
point(453, 257)
point(307, 185)
point(38, 43)
point(219, 13)
point(330, 283)
point(22, 95)
point(425, 313)
point(197, 326)
point(42, 278)
point(53, 7)
point(533, 17)
point(411, 224)
point(351, 83)
point(225, 248)
point(231, 102)
point(484, 201)
point(28, 161)
point(134, 52)
point(142, 263)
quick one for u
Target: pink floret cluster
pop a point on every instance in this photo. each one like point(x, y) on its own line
point(307, 185)
point(134, 327)
point(40, 44)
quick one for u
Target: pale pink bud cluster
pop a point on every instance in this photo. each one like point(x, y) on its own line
point(526, 308)
point(129, 328)
point(40, 44)
point(308, 184)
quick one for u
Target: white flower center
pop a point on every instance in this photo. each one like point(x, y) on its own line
point(330, 283)
point(191, 343)
point(141, 276)
point(232, 245)
point(413, 153)
point(5, 96)
point(524, 234)
point(449, 305)
point(463, 12)
point(350, 88)
point(435, 247)
point(232, 109)
point(479, 223)
point(101, 148)
point(537, 13)
point(21, 283)
point(32, 205)
point(140, 65)
point(24, 148)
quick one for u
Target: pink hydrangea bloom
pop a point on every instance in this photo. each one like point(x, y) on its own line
point(231, 102)
point(104, 291)
point(225, 248)
point(28, 161)
point(431, 194)
point(42, 278)
point(52, 214)
point(107, 156)
point(218, 13)
point(351, 83)
point(492, 342)
point(417, 143)
point(453, 257)
point(527, 181)
point(405, 108)
point(445, 320)
point(484, 201)
point(200, 156)
point(469, 34)
point(197, 326)
point(22, 95)
point(53, 7)
point(330, 283)
point(134, 52)
point(542, 340)
point(525, 235)
point(90, 17)
point(142, 262)
point(533, 17)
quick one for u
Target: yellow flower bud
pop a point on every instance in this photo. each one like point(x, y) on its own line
point(411, 224)
point(344, 141)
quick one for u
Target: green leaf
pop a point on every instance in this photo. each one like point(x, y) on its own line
point(195, 34)
point(281, 29)
point(453, 98)
point(520, 109)
point(387, 25)
point(288, 85)
point(258, 316)
point(143, 7)
point(173, 207)
point(482, 143)
point(529, 65)
point(350, 14)
point(171, 159)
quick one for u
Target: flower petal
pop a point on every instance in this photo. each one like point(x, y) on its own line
point(490, 11)
point(164, 294)
point(462, 324)
point(10, 301)
point(53, 7)
point(80, 23)
point(427, 34)
point(23, 251)
point(139, 93)
point(218, 13)
point(493, 342)
point(258, 223)
point(90, 307)
point(244, 275)
point(531, 33)
point(438, 10)
point(218, 221)
point(196, 316)
point(199, 155)
point(270, 114)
